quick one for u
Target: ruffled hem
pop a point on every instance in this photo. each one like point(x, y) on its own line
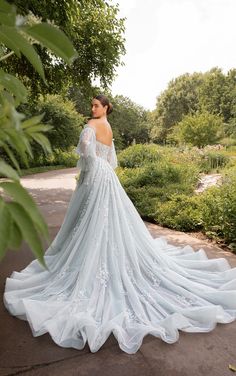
point(75, 330)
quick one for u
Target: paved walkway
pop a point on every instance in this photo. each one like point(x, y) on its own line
point(195, 354)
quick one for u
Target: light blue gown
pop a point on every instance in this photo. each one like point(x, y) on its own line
point(108, 275)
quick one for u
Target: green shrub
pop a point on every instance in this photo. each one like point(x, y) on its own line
point(58, 157)
point(137, 155)
point(219, 209)
point(64, 118)
point(181, 212)
point(213, 160)
point(161, 175)
point(66, 158)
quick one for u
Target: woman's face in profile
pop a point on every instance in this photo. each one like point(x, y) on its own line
point(97, 108)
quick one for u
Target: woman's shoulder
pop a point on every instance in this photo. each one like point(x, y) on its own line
point(90, 124)
point(98, 124)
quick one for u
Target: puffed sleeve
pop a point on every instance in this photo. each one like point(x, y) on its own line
point(112, 158)
point(86, 148)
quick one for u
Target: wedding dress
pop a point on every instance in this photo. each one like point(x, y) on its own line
point(106, 274)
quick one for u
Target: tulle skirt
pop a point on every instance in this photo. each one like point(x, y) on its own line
point(106, 274)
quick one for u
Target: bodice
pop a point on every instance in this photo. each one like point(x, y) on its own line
point(102, 150)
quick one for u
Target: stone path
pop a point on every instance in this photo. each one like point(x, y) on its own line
point(195, 354)
point(207, 181)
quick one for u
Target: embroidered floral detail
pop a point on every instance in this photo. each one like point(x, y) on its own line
point(186, 301)
point(103, 275)
point(155, 280)
point(131, 316)
point(63, 272)
point(76, 301)
point(61, 297)
point(147, 296)
point(130, 273)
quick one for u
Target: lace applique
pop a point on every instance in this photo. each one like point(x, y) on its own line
point(115, 249)
point(63, 272)
point(61, 296)
point(76, 302)
point(130, 273)
point(102, 150)
point(103, 275)
point(131, 316)
point(155, 280)
point(84, 209)
point(186, 301)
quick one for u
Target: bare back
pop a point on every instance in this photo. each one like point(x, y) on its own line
point(103, 131)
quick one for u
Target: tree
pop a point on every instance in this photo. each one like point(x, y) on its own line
point(96, 32)
point(211, 91)
point(179, 99)
point(129, 121)
point(215, 93)
point(201, 129)
point(19, 216)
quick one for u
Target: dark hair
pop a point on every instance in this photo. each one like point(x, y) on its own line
point(105, 102)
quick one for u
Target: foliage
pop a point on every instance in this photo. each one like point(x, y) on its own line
point(19, 216)
point(137, 155)
point(181, 212)
point(150, 177)
point(212, 92)
point(66, 158)
point(63, 117)
point(179, 99)
point(95, 30)
point(200, 129)
point(219, 209)
point(214, 160)
point(161, 182)
point(129, 121)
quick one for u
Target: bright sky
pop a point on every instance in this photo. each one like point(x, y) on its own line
point(167, 38)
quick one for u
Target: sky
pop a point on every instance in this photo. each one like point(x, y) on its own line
point(167, 38)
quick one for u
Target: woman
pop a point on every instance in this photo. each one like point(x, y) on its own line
point(106, 274)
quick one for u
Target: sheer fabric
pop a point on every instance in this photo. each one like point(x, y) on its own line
point(108, 275)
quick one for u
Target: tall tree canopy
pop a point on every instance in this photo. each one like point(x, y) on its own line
point(96, 32)
point(212, 91)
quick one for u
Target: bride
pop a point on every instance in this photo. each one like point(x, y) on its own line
point(106, 274)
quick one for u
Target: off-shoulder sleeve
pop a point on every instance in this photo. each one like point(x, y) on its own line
point(112, 157)
point(86, 148)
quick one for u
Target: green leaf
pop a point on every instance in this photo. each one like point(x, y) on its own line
point(27, 229)
point(11, 156)
point(5, 7)
point(14, 86)
point(16, 141)
point(32, 121)
point(8, 171)
point(20, 195)
point(43, 141)
point(39, 128)
point(54, 39)
point(15, 237)
point(5, 224)
point(7, 39)
point(10, 34)
point(7, 13)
